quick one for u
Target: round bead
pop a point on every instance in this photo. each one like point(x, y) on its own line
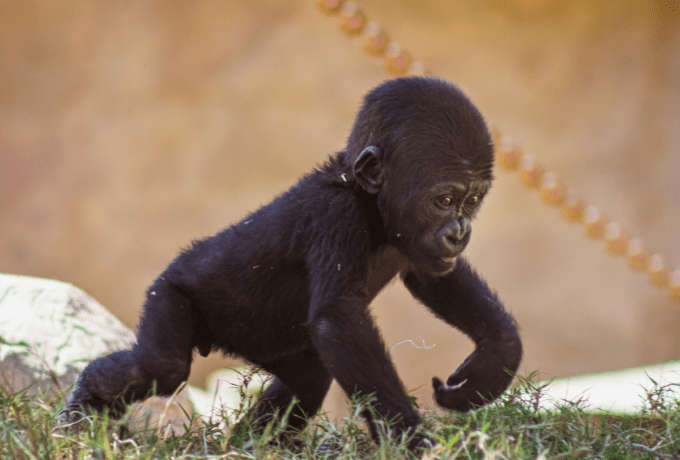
point(330, 7)
point(376, 39)
point(397, 59)
point(637, 254)
point(416, 69)
point(594, 221)
point(509, 156)
point(552, 190)
point(352, 19)
point(659, 274)
point(674, 281)
point(617, 240)
point(530, 172)
point(573, 207)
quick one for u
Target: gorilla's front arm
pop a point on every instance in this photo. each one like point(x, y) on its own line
point(464, 300)
point(350, 345)
point(342, 286)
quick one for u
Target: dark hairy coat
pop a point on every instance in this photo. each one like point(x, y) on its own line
point(288, 287)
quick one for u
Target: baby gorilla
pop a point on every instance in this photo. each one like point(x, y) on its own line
point(288, 288)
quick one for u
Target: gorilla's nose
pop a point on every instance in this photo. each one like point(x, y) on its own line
point(455, 232)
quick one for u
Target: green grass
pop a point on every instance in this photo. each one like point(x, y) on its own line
point(511, 428)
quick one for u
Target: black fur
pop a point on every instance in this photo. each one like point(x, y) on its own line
point(288, 288)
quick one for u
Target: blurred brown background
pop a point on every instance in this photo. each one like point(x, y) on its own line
point(127, 129)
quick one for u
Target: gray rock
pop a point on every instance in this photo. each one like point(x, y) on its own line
point(49, 332)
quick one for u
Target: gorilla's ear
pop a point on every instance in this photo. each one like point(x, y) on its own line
point(369, 169)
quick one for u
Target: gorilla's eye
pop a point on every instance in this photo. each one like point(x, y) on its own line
point(445, 201)
point(474, 199)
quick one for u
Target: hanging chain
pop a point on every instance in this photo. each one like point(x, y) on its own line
point(399, 62)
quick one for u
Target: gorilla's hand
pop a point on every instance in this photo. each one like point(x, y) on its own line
point(483, 377)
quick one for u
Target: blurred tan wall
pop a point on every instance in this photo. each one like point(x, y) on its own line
point(129, 129)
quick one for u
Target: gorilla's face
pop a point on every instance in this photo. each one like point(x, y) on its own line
point(433, 221)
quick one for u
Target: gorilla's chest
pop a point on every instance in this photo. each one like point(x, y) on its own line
point(382, 268)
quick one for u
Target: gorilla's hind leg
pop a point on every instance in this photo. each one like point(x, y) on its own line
point(157, 364)
point(301, 375)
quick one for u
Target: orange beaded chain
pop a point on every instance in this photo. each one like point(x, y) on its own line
point(398, 62)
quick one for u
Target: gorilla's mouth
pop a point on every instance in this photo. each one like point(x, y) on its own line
point(442, 265)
